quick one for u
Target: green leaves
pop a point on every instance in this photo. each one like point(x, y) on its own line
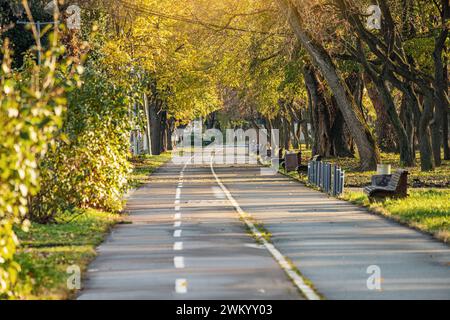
point(31, 106)
point(89, 168)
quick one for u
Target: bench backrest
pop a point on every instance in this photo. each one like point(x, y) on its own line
point(399, 181)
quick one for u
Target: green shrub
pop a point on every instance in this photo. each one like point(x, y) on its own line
point(88, 168)
point(31, 107)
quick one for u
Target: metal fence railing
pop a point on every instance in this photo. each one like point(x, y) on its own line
point(328, 177)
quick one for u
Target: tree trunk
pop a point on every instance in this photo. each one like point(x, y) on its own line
point(341, 140)
point(304, 128)
point(155, 125)
point(295, 141)
point(320, 113)
point(170, 130)
point(383, 127)
point(210, 120)
point(164, 130)
point(276, 124)
point(424, 133)
point(407, 118)
point(407, 157)
point(294, 124)
point(445, 132)
point(367, 149)
point(422, 121)
point(312, 121)
point(148, 126)
point(440, 87)
point(287, 133)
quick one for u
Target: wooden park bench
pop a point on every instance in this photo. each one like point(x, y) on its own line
point(396, 188)
point(290, 161)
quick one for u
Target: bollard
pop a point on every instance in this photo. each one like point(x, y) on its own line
point(334, 180)
point(309, 172)
point(328, 177)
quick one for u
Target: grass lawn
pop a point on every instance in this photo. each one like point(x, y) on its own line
point(439, 178)
point(144, 166)
point(427, 210)
point(46, 250)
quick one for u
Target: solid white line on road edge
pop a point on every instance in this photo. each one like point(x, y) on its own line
point(177, 246)
point(178, 262)
point(296, 278)
point(177, 224)
point(181, 286)
point(177, 208)
point(177, 216)
point(178, 193)
point(177, 233)
point(177, 201)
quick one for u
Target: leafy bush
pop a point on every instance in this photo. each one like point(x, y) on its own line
point(88, 168)
point(31, 107)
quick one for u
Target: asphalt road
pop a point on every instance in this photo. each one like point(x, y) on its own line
point(186, 244)
point(185, 241)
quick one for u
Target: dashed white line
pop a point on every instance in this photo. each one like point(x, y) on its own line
point(177, 233)
point(181, 286)
point(278, 256)
point(178, 262)
point(178, 246)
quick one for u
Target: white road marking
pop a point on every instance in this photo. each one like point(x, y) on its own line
point(218, 193)
point(177, 246)
point(178, 262)
point(254, 246)
point(181, 286)
point(177, 233)
point(296, 278)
